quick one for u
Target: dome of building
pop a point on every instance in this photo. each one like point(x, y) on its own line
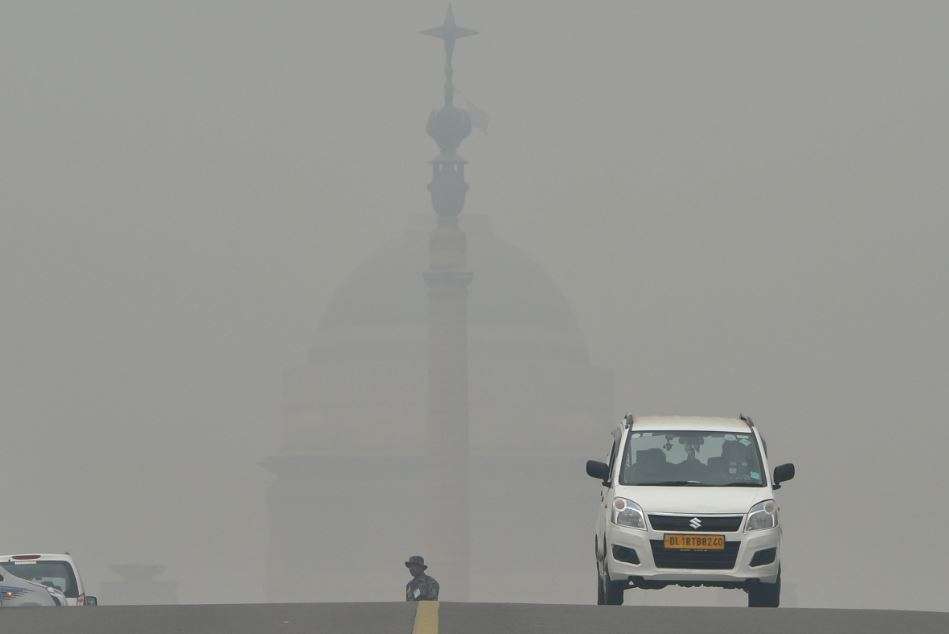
point(528, 361)
point(512, 302)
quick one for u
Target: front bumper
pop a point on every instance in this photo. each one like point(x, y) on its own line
point(646, 573)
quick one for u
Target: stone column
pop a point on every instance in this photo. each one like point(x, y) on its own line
point(447, 429)
point(447, 279)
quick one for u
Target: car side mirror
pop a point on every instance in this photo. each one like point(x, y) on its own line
point(598, 470)
point(91, 600)
point(783, 473)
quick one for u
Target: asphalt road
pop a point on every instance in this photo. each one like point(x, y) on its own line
point(453, 618)
point(575, 619)
point(296, 618)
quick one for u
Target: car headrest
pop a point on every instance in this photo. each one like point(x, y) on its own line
point(734, 451)
point(650, 458)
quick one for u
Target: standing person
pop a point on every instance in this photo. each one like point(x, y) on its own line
point(421, 587)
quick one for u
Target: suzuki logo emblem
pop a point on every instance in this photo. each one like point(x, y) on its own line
point(695, 523)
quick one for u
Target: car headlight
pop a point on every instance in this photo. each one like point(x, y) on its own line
point(628, 513)
point(762, 515)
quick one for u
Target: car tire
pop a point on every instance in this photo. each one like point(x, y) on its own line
point(609, 592)
point(614, 592)
point(765, 595)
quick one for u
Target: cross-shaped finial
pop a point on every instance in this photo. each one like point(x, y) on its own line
point(449, 31)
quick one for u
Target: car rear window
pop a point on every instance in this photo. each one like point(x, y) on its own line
point(58, 574)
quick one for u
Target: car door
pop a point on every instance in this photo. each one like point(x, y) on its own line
point(606, 498)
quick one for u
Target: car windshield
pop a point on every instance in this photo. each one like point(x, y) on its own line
point(691, 458)
point(57, 574)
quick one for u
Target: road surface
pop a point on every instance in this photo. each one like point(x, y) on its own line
point(454, 618)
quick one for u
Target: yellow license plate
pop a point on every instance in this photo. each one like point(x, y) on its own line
point(676, 541)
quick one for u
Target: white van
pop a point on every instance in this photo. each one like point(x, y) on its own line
point(48, 569)
point(688, 501)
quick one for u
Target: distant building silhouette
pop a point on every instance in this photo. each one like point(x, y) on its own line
point(446, 407)
point(138, 586)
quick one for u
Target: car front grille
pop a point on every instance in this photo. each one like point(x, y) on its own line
point(699, 559)
point(709, 523)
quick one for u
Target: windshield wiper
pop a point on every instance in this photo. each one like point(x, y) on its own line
point(674, 483)
point(696, 483)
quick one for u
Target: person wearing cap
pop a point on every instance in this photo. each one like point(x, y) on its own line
point(421, 587)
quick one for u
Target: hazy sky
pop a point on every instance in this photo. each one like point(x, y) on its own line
point(745, 202)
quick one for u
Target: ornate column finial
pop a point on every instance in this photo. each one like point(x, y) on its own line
point(448, 126)
point(449, 32)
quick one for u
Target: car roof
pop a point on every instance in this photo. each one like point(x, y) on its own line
point(696, 423)
point(41, 557)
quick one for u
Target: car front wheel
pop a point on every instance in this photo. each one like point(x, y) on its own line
point(765, 595)
point(609, 592)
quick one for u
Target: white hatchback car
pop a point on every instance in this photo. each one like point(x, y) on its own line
point(57, 571)
point(688, 501)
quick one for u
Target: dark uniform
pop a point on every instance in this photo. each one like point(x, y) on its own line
point(421, 587)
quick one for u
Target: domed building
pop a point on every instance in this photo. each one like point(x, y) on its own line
point(446, 408)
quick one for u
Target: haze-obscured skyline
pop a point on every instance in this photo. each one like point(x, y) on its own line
point(745, 204)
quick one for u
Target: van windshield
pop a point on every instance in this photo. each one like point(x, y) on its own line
point(57, 574)
point(691, 458)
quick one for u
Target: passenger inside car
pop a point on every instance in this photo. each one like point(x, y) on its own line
point(733, 461)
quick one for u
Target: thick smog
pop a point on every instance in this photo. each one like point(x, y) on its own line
point(484, 316)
